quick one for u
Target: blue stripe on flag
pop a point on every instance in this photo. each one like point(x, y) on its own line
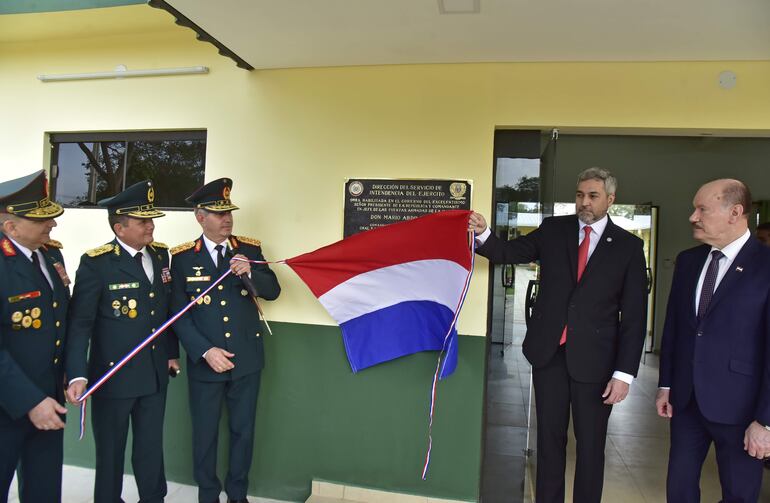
point(398, 330)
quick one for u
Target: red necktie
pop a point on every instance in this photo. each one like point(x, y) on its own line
point(581, 266)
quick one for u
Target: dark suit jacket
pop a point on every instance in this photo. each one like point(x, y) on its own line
point(725, 358)
point(606, 312)
point(108, 283)
point(32, 330)
point(229, 320)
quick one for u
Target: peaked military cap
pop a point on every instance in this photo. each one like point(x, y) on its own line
point(214, 196)
point(28, 197)
point(136, 201)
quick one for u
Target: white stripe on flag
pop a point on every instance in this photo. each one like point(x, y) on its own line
point(436, 280)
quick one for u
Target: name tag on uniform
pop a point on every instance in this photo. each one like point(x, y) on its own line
point(192, 279)
point(24, 296)
point(62, 273)
point(123, 286)
point(165, 275)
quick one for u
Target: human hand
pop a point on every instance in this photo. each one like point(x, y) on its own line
point(45, 415)
point(75, 390)
point(756, 441)
point(240, 267)
point(219, 360)
point(173, 367)
point(663, 406)
point(615, 391)
point(476, 223)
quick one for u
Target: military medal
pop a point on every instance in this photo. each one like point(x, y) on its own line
point(116, 304)
point(35, 313)
point(165, 275)
point(116, 312)
point(36, 324)
point(197, 270)
point(26, 321)
point(207, 299)
point(16, 316)
point(132, 313)
point(124, 309)
point(132, 304)
point(244, 292)
point(62, 273)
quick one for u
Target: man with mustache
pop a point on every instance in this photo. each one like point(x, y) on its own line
point(34, 294)
point(715, 352)
point(222, 336)
point(121, 296)
point(585, 336)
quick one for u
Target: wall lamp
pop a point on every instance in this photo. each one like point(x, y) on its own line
point(121, 72)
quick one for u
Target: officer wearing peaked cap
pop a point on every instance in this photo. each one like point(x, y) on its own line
point(222, 336)
point(121, 296)
point(34, 293)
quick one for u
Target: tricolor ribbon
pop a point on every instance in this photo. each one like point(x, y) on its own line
point(445, 349)
point(108, 375)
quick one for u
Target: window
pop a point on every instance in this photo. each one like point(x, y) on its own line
point(88, 167)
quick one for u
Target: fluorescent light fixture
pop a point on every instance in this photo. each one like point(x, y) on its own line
point(459, 6)
point(121, 72)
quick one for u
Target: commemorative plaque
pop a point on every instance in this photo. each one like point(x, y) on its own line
point(372, 203)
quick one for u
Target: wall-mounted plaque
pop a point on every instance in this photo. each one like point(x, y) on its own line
point(372, 203)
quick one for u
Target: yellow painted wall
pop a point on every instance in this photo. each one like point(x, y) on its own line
point(290, 138)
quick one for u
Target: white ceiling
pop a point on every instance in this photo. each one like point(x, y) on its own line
point(308, 33)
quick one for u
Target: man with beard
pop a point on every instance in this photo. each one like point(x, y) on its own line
point(584, 353)
point(222, 336)
point(121, 296)
point(34, 293)
point(715, 352)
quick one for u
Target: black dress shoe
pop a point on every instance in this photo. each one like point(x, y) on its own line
point(244, 500)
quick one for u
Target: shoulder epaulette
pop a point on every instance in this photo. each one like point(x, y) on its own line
point(54, 244)
point(182, 247)
point(249, 241)
point(95, 252)
point(157, 244)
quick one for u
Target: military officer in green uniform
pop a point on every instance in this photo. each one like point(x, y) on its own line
point(34, 293)
point(121, 295)
point(222, 336)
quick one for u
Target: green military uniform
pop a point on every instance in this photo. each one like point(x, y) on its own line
point(226, 318)
point(115, 307)
point(33, 311)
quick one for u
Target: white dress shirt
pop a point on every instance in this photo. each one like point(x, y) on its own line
point(730, 252)
point(211, 247)
point(146, 260)
point(597, 229)
point(41, 260)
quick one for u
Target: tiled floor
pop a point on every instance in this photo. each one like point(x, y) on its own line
point(78, 487)
point(637, 447)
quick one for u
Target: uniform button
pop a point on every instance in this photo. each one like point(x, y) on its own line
point(220, 287)
point(152, 295)
point(227, 335)
point(225, 319)
point(700, 334)
point(58, 323)
point(58, 343)
point(55, 304)
point(153, 346)
point(55, 361)
point(257, 334)
point(153, 330)
point(223, 303)
point(152, 313)
point(112, 363)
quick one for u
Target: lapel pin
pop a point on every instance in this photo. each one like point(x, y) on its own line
point(609, 240)
point(739, 268)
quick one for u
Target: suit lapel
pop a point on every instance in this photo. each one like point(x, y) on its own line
point(603, 248)
point(127, 264)
point(740, 266)
point(58, 285)
point(22, 265)
point(573, 227)
point(204, 258)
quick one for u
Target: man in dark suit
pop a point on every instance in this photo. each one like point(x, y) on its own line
point(222, 336)
point(585, 337)
point(121, 296)
point(34, 293)
point(715, 352)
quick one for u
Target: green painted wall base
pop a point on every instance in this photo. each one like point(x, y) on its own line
point(316, 419)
